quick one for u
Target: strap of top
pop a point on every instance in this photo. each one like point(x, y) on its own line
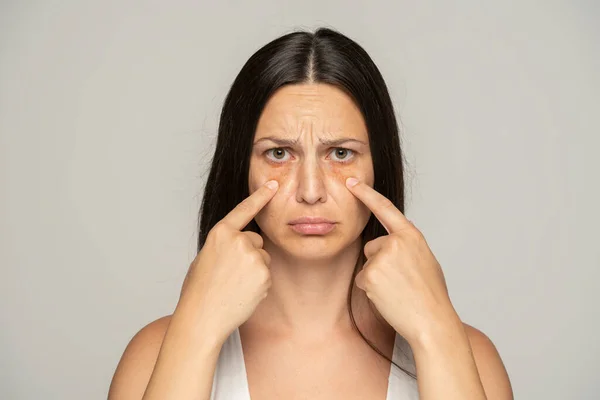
point(401, 386)
point(231, 382)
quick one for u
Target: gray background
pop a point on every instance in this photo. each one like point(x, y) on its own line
point(108, 114)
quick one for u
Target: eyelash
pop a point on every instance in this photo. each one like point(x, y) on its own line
point(347, 160)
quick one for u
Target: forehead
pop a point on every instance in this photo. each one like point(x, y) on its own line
point(320, 109)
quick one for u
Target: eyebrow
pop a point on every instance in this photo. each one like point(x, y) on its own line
point(293, 142)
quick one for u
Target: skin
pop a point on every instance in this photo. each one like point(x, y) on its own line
point(307, 301)
point(304, 317)
point(293, 340)
point(310, 273)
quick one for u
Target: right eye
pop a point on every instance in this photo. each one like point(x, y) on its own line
point(278, 154)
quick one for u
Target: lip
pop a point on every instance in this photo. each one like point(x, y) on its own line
point(312, 225)
point(311, 220)
point(313, 229)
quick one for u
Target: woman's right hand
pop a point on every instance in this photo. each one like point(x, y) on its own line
point(230, 276)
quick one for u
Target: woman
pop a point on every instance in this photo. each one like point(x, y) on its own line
point(309, 281)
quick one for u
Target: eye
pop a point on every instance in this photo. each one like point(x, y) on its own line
point(342, 154)
point(278, 152)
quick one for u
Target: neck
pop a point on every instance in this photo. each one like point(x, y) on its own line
point(308, 296)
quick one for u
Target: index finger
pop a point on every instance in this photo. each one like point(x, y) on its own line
point(386, 212)
point(244, 212)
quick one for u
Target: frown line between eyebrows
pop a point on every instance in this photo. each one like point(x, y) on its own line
point(293, 142)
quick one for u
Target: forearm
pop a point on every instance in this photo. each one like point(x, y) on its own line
point(445, 364)
point(186, 363)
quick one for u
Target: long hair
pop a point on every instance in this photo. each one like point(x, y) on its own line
point(325, 56)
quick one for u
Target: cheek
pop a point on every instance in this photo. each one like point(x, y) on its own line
point(278, 172)
point(260, 174)
point(361, 170)
point(339, 174)
point(348, 202)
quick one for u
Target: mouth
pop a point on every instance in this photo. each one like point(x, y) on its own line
point(312, 225)
point(311, 220)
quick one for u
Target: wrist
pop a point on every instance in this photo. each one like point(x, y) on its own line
point(447, 330)
point(200, 330)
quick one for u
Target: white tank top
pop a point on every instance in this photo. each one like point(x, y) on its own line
point(231, 382)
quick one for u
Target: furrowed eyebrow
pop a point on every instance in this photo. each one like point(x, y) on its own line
point(278, 141)
point(293, 142)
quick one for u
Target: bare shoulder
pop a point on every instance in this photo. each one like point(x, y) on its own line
point(492, 372)
point(137, 362)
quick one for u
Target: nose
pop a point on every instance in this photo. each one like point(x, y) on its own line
point(311, 187)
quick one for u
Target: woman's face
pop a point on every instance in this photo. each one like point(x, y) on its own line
point(310, 138)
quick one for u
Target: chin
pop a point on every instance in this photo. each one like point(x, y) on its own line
point(312, 251)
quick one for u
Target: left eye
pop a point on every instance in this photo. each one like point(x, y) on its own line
point(342, 153)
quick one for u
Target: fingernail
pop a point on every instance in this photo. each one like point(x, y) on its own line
point(272, 184)
point(351, 181)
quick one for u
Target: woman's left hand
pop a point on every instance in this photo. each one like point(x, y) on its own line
point(401, 276)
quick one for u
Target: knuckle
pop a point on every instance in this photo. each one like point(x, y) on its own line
point(416, 235)
point(265, 276)
point(219, 231)
point(394, 243)
point(371, 276)
point(266, 256)
point(256, 257)
point(371, 244)
point(255, 237)
point(239, 238)
point(411, 228)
